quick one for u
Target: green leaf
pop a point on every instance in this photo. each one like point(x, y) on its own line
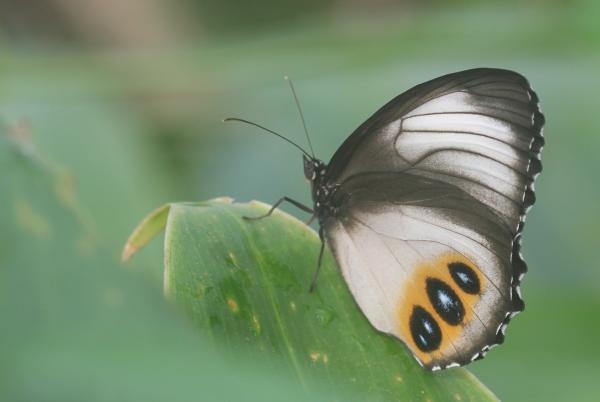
point(245, 285)
point(76, 326)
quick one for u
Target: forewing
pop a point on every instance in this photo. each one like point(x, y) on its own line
point(478, 130)
point(427, 263)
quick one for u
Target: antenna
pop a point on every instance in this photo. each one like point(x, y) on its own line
point(301, 114)
point(269, 131)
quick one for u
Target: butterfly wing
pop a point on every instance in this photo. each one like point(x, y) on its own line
point(432, 194)
point(427, 263)
point(479, 130)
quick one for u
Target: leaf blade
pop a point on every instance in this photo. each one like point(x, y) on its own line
point(245, 285)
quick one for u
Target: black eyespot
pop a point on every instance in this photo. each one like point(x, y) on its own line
point(425, 331)
point(465, 277)
point(445, 301)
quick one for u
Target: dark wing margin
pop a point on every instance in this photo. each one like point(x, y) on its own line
point(533, 170)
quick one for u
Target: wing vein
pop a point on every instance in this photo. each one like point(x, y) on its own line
point(473, 113)
point(520, 150)
point(436, 242)
point(437, 151)
point(469, 180)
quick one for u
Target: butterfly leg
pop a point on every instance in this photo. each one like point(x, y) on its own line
point(311, 219)
point(291, 201)
point(313, 283)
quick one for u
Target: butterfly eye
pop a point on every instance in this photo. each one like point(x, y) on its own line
point(309, 168)
point(465, 277)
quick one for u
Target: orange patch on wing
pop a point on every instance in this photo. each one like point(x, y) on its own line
point(415, 294)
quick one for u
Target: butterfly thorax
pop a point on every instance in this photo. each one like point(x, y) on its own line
point(322, 191)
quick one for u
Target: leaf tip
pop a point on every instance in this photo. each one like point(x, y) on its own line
point(128, 251)
point(224, 200)
point(150, 226)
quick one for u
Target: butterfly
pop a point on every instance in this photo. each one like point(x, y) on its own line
point(423, 208)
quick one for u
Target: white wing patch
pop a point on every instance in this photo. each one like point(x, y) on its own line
point(478, 143)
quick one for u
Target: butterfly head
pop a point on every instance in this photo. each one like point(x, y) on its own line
point(313, 168)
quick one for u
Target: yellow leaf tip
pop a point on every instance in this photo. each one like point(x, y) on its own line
point(128, 251)
point(224, 200)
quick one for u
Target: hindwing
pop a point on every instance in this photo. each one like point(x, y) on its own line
point(427, 263)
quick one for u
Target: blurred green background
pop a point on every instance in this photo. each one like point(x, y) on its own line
point(124, 102)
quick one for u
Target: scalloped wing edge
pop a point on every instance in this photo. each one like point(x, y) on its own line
point(519, 265)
